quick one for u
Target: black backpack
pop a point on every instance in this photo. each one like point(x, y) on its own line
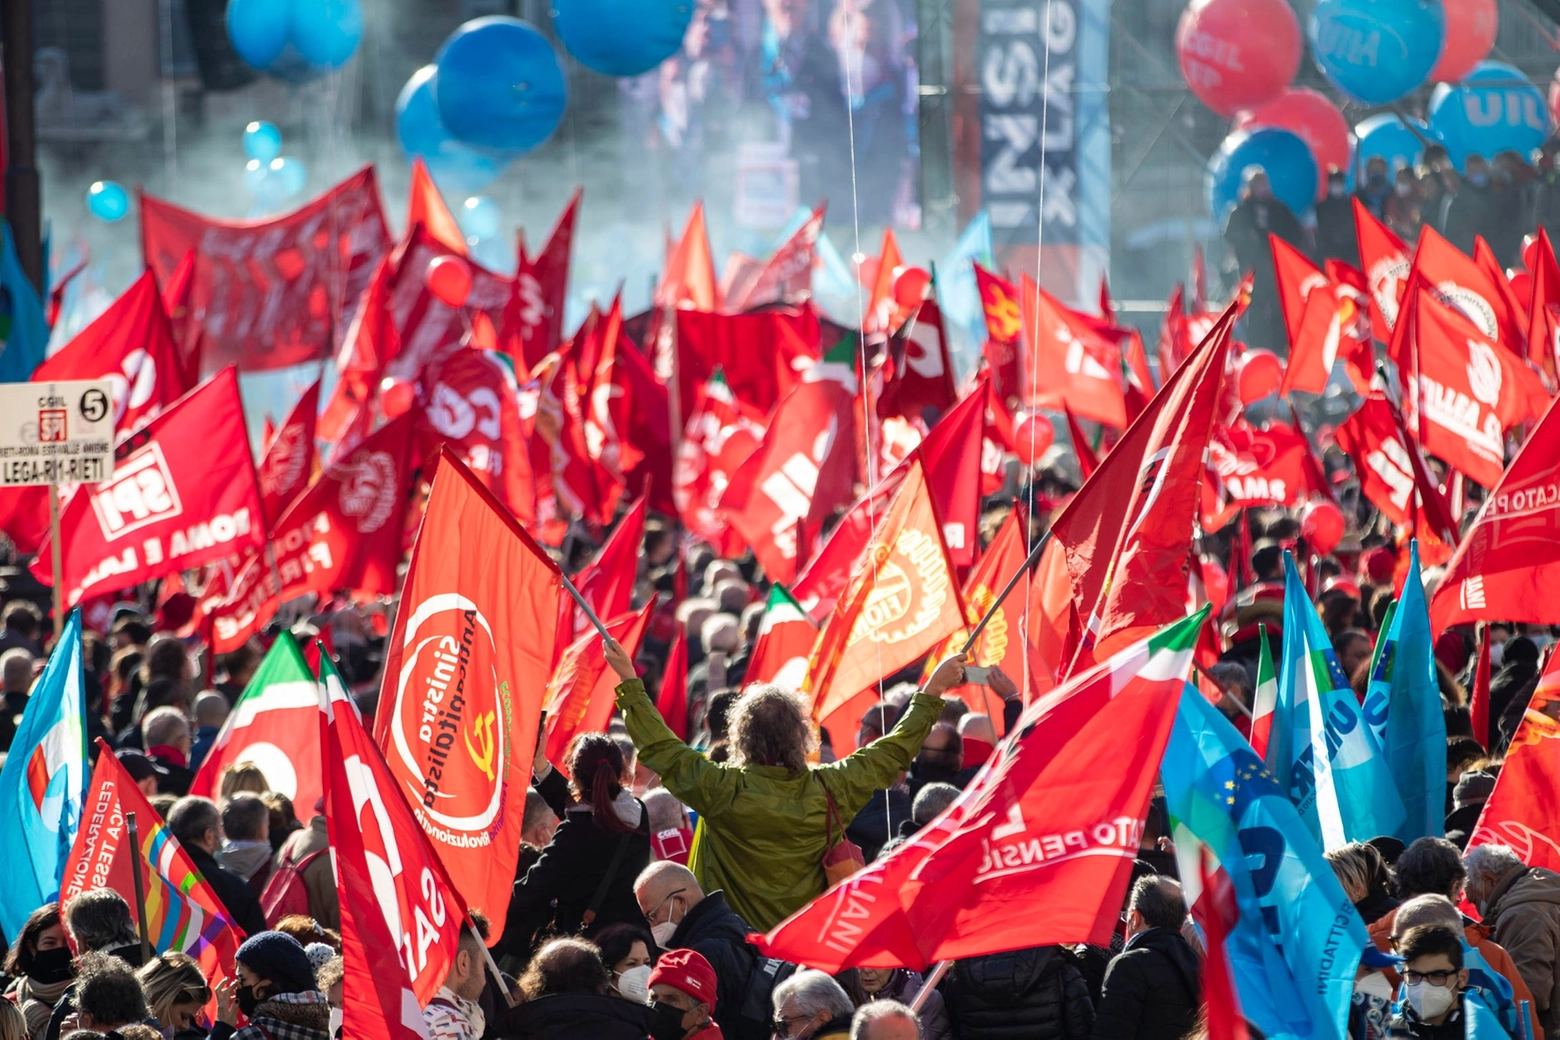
point(754, 1020)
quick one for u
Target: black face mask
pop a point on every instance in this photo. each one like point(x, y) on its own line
point(668, 1021)
point(247, 1000)
point(52, 966)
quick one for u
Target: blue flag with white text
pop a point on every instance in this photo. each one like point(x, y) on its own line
point(24, 327)
point(44, 783)
point(1322, 750)
point(1297, 943)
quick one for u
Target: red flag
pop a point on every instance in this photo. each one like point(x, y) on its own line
point(1392, 474)
point(829, 570)
point(1508, 561)
point(1467, 393)
point(464, 672)
point(1479, 701)
point(1217, 911)
point(183, 914)
point(903, 600)
point(787, 276)
point(344, 532)
point(1297, 279)
point(580, 694)
point(804, 468)
point(1514, 318)
point(1050, 621)
point(59, 288)
point(643, 404)
point(1004, 335)
point(1386, 263)
point(187, 334)
point(1088, 462)
point(1325, 322)
point(395, 893)
point(922, 377)
point(425, 206)
point(288, 464)
point(1461, 283)
point(1174, 340)
point(689, 279)
point(1356, 342)
point(1261, 465)
point(1543, 343)
point(607, 414)
point(882, 310)
point(371, 341)
point(558, 450)
point(785, 640)
point(535, 318)
point(761, 355)
point(183, 492)
point(721, 433)
point(1522, 811)
point(607, 582)
point(273, 293)
point(472, 408)
point(672, 700)
point(1054, 820)
point(131, 345)
point(1141, 506)
point(1081, 367)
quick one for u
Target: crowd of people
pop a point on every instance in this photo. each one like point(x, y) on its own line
point(612, 932)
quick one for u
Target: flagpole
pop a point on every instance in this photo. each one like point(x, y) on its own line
point(590, 615)
point(56, 559)
point(140, 888)
point(498, 976)
point(929, 984)
point(1034, 555)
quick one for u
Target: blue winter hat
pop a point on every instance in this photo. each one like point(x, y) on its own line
point(279, 957)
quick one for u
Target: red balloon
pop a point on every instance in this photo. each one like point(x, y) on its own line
point(1257, 375)
point(1322, 525)
point(1522, 288)
point(1309, 115)
point(1237, 54)
point(910, 287)
point(1216, 583)
point(449, 278)
point(396, 397)
point(1032, 438)
point(1471, 26)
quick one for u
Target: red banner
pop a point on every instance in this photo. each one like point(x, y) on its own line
point(288, 464)
point(272, 293)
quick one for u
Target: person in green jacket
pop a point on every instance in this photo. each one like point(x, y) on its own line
point(764, 815)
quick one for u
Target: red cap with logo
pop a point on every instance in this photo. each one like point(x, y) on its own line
point(688, 971)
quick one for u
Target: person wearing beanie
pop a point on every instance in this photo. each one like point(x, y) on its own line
point(275, 989)
point(682, 997)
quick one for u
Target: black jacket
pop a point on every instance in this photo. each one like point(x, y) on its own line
point(574, 1016)
point(1152, 990)
point(1033, 994)
point(719, 934)
point(243, 906)
point(879, 820)
point(559, 887)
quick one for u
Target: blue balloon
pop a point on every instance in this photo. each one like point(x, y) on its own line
point(326, 32)
point(262, 141)
point(622, 37)
point(1387, 136)
point(256, 178)
point(479, 218)
point(1494, 109)
point(289, 175)
point(500, 84)
point(259, 30)
point(1376, 50)
point(108, 201)
point(457, 168)
point(1290, 166)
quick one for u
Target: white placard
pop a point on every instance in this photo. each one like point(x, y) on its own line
point(56, 433)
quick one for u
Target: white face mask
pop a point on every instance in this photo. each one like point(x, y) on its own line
point(1429, 1001)
point(1376, 985)
point(663, 933)
point(335, 1021)
point(634, 984)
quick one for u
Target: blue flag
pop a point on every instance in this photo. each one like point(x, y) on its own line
point(1322, 750)
point(44, 783)
point(1403, 707)
point(1479, 1022)
point(24, 328)
point(959, 296)
point(1297, 943)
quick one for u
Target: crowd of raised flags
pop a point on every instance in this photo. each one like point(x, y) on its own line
point(497, 450)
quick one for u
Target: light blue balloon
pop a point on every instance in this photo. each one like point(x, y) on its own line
point(1494, 108)
point(262, 141)
point(259, 30)
point(459, 169)
point(108, 201)
point(479, 218)
point(1290, 166)
point(500, 84)
point(290, 176)
point(326, 33)
point(257, 174)
point(622, 37)
point(1376, 50)
point(1387, 136)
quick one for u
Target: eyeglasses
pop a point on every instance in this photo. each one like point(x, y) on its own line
point(782, 1023)
point(674, 893)
point(1435, 978)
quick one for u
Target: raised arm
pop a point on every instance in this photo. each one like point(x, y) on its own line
point(701, 784)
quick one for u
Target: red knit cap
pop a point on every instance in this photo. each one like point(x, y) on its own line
point(688, 971)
